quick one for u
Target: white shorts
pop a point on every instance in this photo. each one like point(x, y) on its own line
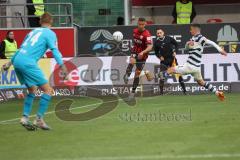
point(189, 69)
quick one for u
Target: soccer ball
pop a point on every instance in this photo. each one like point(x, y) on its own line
point(118, 36)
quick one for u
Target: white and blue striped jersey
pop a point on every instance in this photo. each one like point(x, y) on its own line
point(195, 52)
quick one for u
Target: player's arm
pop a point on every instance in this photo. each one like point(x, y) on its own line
point(148, 49)
point(149, 46)
point(175, 44)
point(52, 45)
point(209, 42)
point(189, 43)
point(157, 52)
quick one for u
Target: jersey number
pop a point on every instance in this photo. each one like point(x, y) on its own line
point(32, 38)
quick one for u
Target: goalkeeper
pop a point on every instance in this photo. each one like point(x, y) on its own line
point(25, 65)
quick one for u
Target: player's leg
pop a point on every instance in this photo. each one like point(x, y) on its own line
point(21, 73)
point(165, 70)
point(129, 68)
point(34, 77)
point(27, 108)
point(207, 85)
point(139, 67)
point(161, 86)
point(136, 80)
point(212, 89)
point(28, 102)
point(163, 67)
point(45, 99)
point(180, 78)
point(179, 69)
point(171, 70)
point(43, 106)
point(182, 84)
point(135, 84)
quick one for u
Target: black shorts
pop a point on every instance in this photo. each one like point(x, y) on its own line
point(140, 63)
point(169, 62)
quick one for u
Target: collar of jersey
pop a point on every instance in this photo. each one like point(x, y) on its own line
point(197, 35)
point(161, 39)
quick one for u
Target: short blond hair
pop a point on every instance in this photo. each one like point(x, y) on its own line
point(46, 18)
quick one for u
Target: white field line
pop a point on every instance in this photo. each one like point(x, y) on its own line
point(4, 122)
point(155, 157)
point(51, 112)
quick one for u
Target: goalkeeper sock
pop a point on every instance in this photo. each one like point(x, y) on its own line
point(28, 102)
point(43, 105)
point(210, 87)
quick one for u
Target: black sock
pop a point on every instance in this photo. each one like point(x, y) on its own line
point(161, 84)
point(210, 87)
point(129, 69)
point(135, 84)
point(182, 84)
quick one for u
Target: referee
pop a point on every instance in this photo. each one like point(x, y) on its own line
point(165, 49)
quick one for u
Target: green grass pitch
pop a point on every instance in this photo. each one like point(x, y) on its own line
point(190, 127)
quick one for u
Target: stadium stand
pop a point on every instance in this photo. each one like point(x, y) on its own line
point(88, 13)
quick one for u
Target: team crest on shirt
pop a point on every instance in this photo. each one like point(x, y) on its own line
point(141, 37)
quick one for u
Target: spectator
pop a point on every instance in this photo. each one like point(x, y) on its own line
point(120, 21)
point(8, 46)
point(183, 12)
point(35, 10)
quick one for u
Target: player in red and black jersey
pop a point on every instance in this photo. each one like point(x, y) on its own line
point(142, 45)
